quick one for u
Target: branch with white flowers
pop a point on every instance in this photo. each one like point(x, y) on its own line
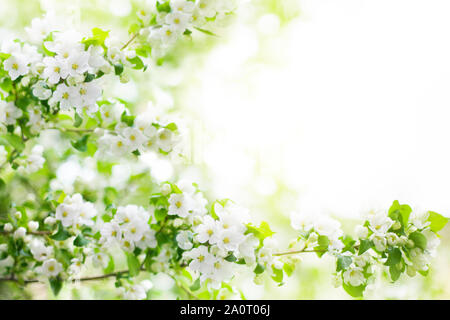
point(65, 209)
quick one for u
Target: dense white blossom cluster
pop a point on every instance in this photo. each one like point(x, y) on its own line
point(215, 240)
point(400, 240)
point(75, 212)
point(176, 18)
point(130, 228)
point(145, 134)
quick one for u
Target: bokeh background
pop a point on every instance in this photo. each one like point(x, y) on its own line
point(315, 106)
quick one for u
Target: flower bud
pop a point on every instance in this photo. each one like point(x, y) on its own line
point(397, 225)
point(106, 69)
point(39, 68)
point(25, 81)
point(8, 227)
point(410, 244)
point(20, 233)
point(33, 226)
point(130, 54)
point(392, 238)
point(74, 80)
point(361, 232)
point(166, 189)
point(313, 237)
point(50, 221)
point(18, 215)
point(402, 240)
point(178, 223)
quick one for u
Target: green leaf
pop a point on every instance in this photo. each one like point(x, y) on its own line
point(349, 243)
point(209, 33)
point(394, 256)
point(56, 284)
point(62, 233)
point(424, 273)
point(133, 264)
point(262, 232)
point(6, 84)
point(129, 120)
point(81, 144)
point(437, 221)
point(15, 141)
point(277, 275)
point(160, 214)
point(78, 120)
point(134, 28)
point(356, 292)
point(110, 267)
point(289, 268)
point(394, 272)
point(400, 212)
point(110, 195)
point(231, 258)
point(89, 77)
point(419, 240)
point(343, 262)
point(144, 50)
point(98, 38)
point(323, 242)
point(118, 69)
point(259, 269)
point(163, 6)
point(4, 56)
point(365, 245)
point(80, 241)
point(172, 127)
point(196, 285)
point(137, 63)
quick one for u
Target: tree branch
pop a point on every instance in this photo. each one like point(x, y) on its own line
point(130, 41)
point(298, 251)
point(92, 278)
point(34, 233)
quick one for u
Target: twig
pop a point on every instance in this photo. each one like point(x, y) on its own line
point(92, 278)
point(130, 41)
point(298, 251)
point(72, 129)
point(34, 233)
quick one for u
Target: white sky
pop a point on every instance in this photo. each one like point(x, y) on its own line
point(353, 112)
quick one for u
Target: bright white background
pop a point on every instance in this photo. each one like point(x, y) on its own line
point(349, 106)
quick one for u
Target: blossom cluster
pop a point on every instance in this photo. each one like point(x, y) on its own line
point(59, 75)
point(130, 229)
point(166, 22)
point(143, 133)
point(400, 240)
point(176, 230)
